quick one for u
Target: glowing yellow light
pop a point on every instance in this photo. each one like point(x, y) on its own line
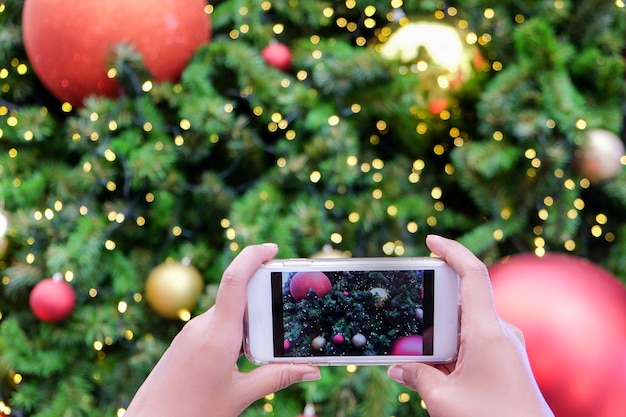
point(596, 231)
point(185, 124)
point(412, 227)
point(569, 245)
point(581, 124)
point(122, 306)
point(351, 368)
point(354, 217)
point(392, 210)
point(336, 237)
point(404, 397)
point(98, 345)
point(329, 204)
point(110, 245)
point(184, 315)
point(315, 177)
point(333, 120)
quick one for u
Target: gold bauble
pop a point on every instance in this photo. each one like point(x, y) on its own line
point(436, 48)
point(172, 289)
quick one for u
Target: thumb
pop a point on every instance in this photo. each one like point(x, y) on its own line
point(267, 379)
point(419, 377)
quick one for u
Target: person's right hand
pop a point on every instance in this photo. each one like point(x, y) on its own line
point(491, 376)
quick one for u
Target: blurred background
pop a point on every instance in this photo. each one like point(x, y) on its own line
point(143, 144)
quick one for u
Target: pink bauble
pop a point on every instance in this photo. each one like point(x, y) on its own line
point(277, 55)
point(302, 282)
point(408, 345)
point(52, 300)
point(287, 345)
point(338, 339)
point(69, 43)
point(573, 315)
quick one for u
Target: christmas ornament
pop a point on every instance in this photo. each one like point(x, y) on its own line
point(438, 105)
point(599, 156)
point(52, 299)
point(338, 339)
point(438, 50)
point(380, 296)
point(69, 44)
point(287, 345)
point(359, 340)
point(309, 411)
point(408, 345)
point(302, 282)
point(328, 252)
point(277, 55)
point(173, 287)
point(419, 313)
point(4, 226)
point(573, 316)
point(318, 343)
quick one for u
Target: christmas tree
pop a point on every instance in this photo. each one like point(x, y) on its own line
point(359, 125)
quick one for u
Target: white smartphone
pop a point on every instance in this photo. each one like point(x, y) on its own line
point(362, 311)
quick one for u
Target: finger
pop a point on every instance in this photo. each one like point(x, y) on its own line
point(230, 302)
point(476, 294)
point(267, 379)
point(420, 377)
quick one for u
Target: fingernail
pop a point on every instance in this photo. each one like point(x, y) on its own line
point(270, 244)
point(396, 373)
point(311, 376)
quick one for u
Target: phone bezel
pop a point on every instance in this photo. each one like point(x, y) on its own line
point(258, 322)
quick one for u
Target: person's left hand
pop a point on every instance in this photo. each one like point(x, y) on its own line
point(198, 375)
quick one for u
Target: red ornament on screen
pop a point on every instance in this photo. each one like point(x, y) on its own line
point(52, 300)
point(302, 282)
point(408, 345)
point(69, 43)
point(573, 316)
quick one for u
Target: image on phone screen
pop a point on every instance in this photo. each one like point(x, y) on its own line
point(352, 313)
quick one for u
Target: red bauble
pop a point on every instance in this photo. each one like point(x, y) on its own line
point(277, 55)
point(408, 345)
point(52, 300)
point(302, 282)
point(69, 43)
point(573, 315)
point(438, 105)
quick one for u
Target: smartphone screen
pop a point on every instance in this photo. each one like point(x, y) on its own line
point(352, 313)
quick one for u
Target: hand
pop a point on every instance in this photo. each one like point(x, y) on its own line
point(198, 376)
point(492, 375)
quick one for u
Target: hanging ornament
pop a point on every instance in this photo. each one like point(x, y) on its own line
point(599, 157)
point(338, 338)
point(436, 51)
point(172, 288)
point(359, 340)
point(573, 316)
point(69, 43)
point(4, 227)
point(52, 299)
point(328, 252)
point(302, 282)
point(408, 345)
point(318, 343)
point(277, 55)
point(309, 411)
point(380, 296)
